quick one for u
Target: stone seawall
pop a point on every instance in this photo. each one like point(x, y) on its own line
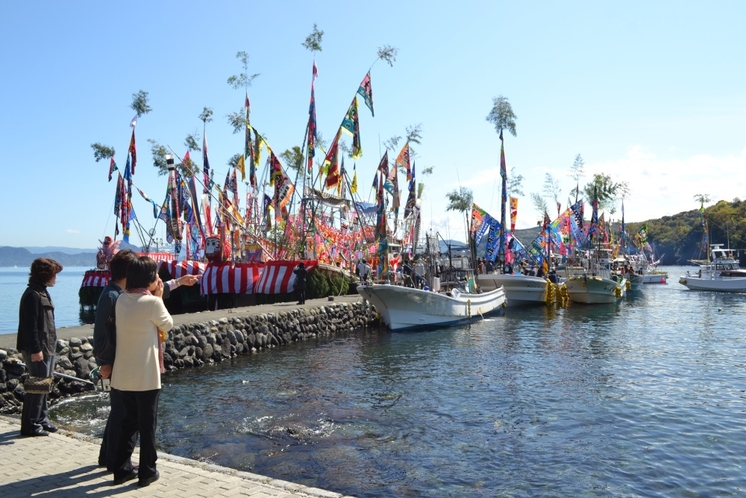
point(193, 345)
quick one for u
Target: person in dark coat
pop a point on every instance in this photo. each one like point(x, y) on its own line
point(300, 282)
point(37, 342)
point(118, 282)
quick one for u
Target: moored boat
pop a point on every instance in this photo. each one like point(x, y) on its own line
point(406, 308)
point(520, 290)
point(654, 277)
point(721, 272)
point(594, 289)
point(592, 281)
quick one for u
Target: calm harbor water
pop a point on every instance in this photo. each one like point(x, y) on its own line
point(642, 398)
point(67, 312)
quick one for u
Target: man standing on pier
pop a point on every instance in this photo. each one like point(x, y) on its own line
point(300, 282)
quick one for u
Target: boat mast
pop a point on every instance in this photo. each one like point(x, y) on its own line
point(503, 198)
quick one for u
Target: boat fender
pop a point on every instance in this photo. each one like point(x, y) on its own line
point(629, 285)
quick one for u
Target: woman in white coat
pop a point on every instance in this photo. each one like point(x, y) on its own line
point(141, 318)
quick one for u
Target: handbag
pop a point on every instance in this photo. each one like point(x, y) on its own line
point(38, 385)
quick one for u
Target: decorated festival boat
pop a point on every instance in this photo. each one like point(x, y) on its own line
point(248, 254)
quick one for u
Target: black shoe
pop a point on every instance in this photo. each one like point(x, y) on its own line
point(126, 477)
point(36, 432)
point(149, 480)
point(49, 428)
point(135, 467)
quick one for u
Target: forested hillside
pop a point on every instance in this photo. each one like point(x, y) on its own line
point(679, 237)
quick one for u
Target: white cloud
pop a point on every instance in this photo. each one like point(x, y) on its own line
point(658, 187)
point(664, 187)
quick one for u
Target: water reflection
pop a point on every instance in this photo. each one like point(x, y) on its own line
point(644, 397)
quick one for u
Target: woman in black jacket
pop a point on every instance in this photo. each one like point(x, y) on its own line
point(37, 342)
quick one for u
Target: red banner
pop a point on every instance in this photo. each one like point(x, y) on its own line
point(96, 278)
point(180, 268)
point(277, 277)
point(229, 278)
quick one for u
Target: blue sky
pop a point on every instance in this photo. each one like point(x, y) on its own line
point(650, 93)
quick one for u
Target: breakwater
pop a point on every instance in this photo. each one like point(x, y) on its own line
point(195, 344)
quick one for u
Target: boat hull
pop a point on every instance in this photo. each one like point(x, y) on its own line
point(405, 308)
point(716, 284)
point(594, 290)
point(658, 277)
point(635, 281)
point(520, 290)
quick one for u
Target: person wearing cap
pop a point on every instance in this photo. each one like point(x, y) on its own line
point(300, 282)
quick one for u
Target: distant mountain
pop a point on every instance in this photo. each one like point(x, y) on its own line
point(21, 256)
point(66, 250)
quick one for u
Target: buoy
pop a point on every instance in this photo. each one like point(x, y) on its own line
point(663, 280)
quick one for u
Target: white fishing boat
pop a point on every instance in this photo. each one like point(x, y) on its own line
point(406, 308)
point(635, 281)
point(520, 290)
point(654, 277)
point(721, 272)
point(593, 289)
point(593, 281)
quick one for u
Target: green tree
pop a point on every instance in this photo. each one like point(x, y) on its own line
point(606, 190)
point(515, 184)
point(101, 151)
point(576, 173)
point(293, 158)
point(313, 41)
point(159, 153)
point(551, 190)
point(461, 200)
point(502, 116)
point(140, 103)
point(387, 54)
point(540, 204)
point(237, 120)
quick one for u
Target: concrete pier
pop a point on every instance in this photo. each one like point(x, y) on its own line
point(64, 465)
point(9, 340)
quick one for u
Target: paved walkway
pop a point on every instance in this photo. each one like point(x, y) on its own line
point(64, 465)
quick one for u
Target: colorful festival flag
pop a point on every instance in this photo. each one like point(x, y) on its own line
point(248, 150)
point(330, 161)
point(353, 186)
point(312, 134)
point(112, 168)
point(133, 150)
point(383, 166)
point(241, 166)
point(504, 195)
point(402, 160)
point(477, 217)
point(366, 91)
point(513, 212)
point(205, 165)
point(351, 124)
